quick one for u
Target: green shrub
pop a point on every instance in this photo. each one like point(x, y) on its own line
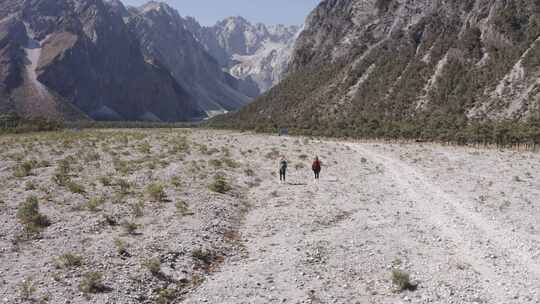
point(138, 209)
point(29, 186)
point(24, 169)
point(202, 256)
point(92, 282)
point(94, 203)
point(131, 227)
point(176, 182)
point(68, 260)
point(121, 247)
point(105, 181)
point(156, 191)
point(166, 296)
point(402, 280)
point(125, 186)
point(73, 187)
point(61, 179)
point(27, 290)
point(29, 215)
point(182, 208)
point(153, 265)
point(220, 184)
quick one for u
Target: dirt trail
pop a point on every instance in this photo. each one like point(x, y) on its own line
point(337, 240)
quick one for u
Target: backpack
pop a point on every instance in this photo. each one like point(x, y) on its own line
point(316, 165)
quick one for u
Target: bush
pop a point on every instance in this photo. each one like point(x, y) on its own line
point(121, 247)
point(29, 215)
point(92, 282)
point(27, 290)
point(182, 208)
point(131, 227)
point(202, 256)
point(156, 191)
point(29, 186)
point(402, 280)
point(105, 181)
point(220, 184)
point(153, 265)
point(24, 169)
point(68, 260)
point(94, 203)
point(73, 187)
point(166, 296)
point(138, 209)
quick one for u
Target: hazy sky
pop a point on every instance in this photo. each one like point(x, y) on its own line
point(287, 12)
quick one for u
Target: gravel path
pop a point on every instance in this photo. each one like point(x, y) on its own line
point(337, 240)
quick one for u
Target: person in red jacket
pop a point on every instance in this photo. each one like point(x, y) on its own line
point(316, 166)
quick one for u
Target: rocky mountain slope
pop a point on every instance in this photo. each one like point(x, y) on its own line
point(164, 37)
point(77, 58)
point(408, 67)
point(254, 52)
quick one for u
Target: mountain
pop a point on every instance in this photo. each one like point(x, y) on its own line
point(164, 37)
point(412, 68)
point(77, 59)
point(253, 52)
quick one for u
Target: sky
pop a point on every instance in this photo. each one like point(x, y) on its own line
point(208, 12)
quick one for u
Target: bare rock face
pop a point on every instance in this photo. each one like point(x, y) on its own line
point(164, 37)
point(78, 57)
point(253, 52)
point(363, 64)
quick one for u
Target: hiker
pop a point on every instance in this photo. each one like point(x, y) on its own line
point(282, 169)
point(316, 167)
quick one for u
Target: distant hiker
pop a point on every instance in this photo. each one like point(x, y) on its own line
point(316, 166)
point(282, 169)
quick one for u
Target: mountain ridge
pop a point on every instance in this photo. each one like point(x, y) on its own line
point(407, 68)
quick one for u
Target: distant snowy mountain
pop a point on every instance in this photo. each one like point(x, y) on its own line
point(253, 52)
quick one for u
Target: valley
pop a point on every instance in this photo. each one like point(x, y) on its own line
point(199, 216)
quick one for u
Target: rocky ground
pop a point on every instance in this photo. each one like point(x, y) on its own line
point(138, 217)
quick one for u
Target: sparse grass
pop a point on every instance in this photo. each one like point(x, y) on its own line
point(94, 203)
point(299, 166)
point(131, 227)
point(220, 184)
point(145, 148)
point(153, 265)
point(27, 290)
point(202, 256)
point(68, 260)
point(24, 169)
point(30, 217)
point(92, 282)
point(105, 181)
point(176, 182)
point(182, 208)
point(156, 192)
point(61, 179)
point(216, 163)
point(121, 247)
point(29, 186)
point(76, 188)
point(125, 186)
point(138, 209)
point(166, 296)
point(402, 280)
point(231, 163)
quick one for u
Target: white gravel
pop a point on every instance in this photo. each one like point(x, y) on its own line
point(463, 222)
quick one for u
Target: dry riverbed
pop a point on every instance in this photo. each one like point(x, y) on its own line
point(198, 216)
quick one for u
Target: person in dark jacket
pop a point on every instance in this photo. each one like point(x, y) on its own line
point(316, 167)
point(283, 169)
